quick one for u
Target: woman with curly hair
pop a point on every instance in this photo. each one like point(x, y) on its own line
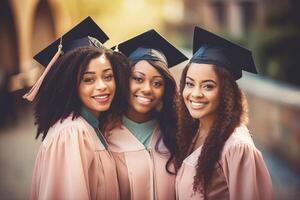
point(82, 88)
point(217, 157)
point(144, 145)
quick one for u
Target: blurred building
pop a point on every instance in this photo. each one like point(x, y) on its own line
point(26, 27)
point(236, 17)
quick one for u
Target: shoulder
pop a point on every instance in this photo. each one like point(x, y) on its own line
point(239, 139)
point(78, 123)
point(68, 128)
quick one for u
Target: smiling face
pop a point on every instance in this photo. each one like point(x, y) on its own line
point(97, 86)
point(146, 91)
point(201, 91)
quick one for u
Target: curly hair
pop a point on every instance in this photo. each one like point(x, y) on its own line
point(168, 115)
point(58, 95)
point(231, 112)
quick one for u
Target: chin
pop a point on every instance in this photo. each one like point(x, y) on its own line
point(196, 114)
point(142, 110)
point(102, 108)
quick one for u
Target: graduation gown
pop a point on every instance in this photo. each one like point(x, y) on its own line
point(72, 163)
point(241, 173)
point(141, 172)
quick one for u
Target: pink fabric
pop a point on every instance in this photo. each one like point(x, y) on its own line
point(242, 173)
point(143, 169)
point(72, 163)
point(122, 172)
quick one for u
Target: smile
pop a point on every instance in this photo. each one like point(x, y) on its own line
point(103, 98)
point(143, 100)
point(197, 105)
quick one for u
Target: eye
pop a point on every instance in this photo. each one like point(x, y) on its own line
point(208, 87)
point(137, 79)
point(157, 84)
point(88, 80)
point(189, 84)
point(108, 77)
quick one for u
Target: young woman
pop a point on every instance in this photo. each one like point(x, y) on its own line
point(144, 146)
point(80, 90)
point(217, 155)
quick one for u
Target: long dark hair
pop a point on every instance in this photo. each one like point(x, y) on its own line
point(58, 96)
point(230, 113)
point(168, 115)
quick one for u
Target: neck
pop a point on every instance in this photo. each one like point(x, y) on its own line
point(207, 122)
point(139, 117)
point(95, 114)
point(204, 128)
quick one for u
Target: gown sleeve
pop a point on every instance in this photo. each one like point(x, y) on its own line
point(246, 173)
point(63, 164)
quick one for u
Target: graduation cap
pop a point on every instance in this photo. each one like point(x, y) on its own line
point(150, 45)
point(86, 33)
point(209, 48)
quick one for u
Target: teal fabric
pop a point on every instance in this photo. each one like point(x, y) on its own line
point(93, 121)
point(142, 131)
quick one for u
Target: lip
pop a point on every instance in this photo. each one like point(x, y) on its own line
point(196, 105)
point(143, 100)
point(101, 98)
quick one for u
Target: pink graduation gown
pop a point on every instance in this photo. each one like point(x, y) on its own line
point(72, 163)
point(241, 175)
point(141, 172)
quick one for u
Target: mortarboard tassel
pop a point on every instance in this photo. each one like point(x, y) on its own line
point(117, 48)
point(35, 88)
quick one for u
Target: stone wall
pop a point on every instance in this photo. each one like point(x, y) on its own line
point(274, 113)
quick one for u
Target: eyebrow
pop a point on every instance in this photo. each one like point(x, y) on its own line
point(139, 73)
point(157, 76)
point(92, 72)
point(190, 78)
point(205, 81)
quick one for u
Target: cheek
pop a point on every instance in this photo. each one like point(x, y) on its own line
point(133, 86)
point(112, 86)
point(132, 89)
point(185, 94)
point(160, 93)
point(215, 99)
point(82, 91)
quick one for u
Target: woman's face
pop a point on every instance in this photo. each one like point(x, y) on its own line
point(201, 91)
point(146, 87)
point(97, 86)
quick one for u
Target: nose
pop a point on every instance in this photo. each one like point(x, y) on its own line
point(197, 93)
point(147, 88)
point(100, 85)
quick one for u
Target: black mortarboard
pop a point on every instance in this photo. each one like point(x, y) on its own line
point(212, 49)
point(86, 33)
point(151, 45)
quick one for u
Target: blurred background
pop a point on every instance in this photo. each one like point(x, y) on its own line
point(270, 28)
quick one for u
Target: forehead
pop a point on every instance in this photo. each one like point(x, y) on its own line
point(99, 63)
point(145, 68)
point(201, 72)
